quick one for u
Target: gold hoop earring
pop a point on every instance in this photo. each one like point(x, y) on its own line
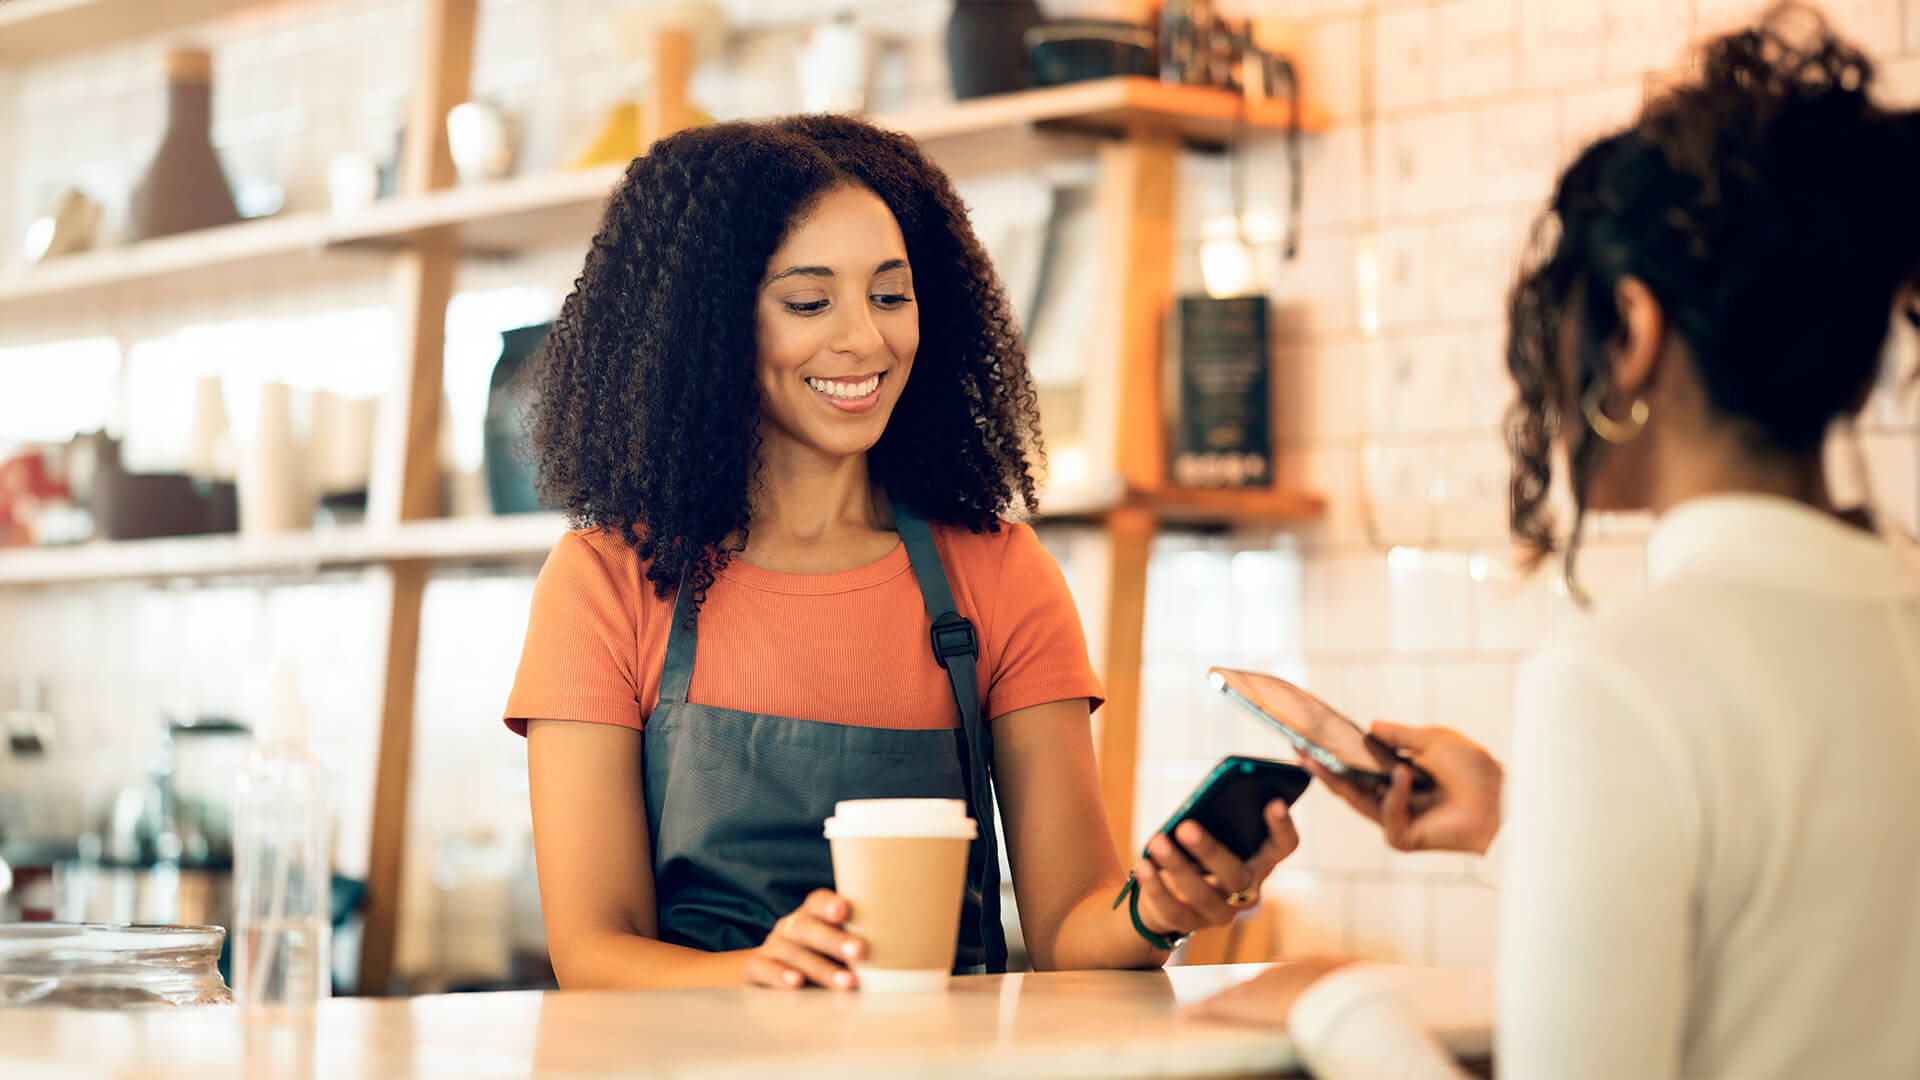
point(1614, 431)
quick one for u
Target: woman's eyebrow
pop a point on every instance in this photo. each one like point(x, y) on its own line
point(827, 271)
point(803, 271)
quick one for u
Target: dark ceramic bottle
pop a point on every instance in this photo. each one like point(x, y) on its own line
point(987, 46)
point(510, 473)
point(184, 188)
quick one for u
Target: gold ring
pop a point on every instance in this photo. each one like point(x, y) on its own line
point(1241, 898)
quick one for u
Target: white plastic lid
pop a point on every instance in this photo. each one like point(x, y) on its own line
point(937, 818)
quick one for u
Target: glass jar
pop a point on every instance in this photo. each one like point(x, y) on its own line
point(107, 966)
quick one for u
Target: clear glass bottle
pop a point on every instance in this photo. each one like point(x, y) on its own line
point(95, 966)
point(283, 876)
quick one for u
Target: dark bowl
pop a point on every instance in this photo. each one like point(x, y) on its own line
point(1074, 50)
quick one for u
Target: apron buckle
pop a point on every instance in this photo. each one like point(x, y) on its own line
point(953, 636)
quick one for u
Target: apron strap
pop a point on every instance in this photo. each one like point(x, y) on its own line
point(954, 639)
point(683, 641)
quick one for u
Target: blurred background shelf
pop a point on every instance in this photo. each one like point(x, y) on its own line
point(519, 538)
point(41, 29)
point(1249, 506)
point(1200, 115)
point(555, 209)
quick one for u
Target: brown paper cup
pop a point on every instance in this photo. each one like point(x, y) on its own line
point(902, 865)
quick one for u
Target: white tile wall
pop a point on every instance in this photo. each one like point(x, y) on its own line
point(1561, 41)
point(1464, 925)
point(1587, 113)
point(1515, 158)
point(1406, 58)
point(1392, 922)
point(1477, 43)
point(1330, 67)
point(1642, 36)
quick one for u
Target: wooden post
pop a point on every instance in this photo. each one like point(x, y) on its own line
point(1138, 178)
point(1129, 542)
point(1136, 203)
point(406, 482)
point(665, 110)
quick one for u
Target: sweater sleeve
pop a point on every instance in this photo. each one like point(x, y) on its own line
point(1350, 1025)
point(1603, 829)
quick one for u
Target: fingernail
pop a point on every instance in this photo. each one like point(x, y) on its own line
point(843, 980)
point(791, 979)
point(850, 950)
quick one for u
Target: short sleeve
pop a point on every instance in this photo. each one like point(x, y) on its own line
point(580, 655)
point(1035, 641)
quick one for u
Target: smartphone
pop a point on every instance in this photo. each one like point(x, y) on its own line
point(1231, 803)
point(1338, 744)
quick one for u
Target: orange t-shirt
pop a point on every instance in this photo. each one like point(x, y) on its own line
point(847, 648)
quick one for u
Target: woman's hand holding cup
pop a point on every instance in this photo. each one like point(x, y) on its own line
point(809, 947)
point(1207, 885)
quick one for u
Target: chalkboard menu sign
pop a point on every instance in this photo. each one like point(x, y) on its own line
point(1221, 382)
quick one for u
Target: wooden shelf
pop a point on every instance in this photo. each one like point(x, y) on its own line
point(1251, 506)
point(561, 208)
point(501, 218)
point(521, 539)
point(517, 538)
point(1119, 106)
point(95, 274)
point(41, 29)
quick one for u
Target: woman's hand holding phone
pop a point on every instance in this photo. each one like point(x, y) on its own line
point(808, 946)
point(1462, 813)
point(1181, 894)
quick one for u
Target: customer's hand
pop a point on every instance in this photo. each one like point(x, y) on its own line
point(809, 946)
point(1462, 813)
point(1179, 895)
point(1267, 998)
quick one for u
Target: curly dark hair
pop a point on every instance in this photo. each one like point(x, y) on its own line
point(1770, 207)
point(646, 410)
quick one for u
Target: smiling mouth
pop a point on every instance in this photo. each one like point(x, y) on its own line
point(848, 390)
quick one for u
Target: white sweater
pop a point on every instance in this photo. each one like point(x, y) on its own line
point(1712, 825)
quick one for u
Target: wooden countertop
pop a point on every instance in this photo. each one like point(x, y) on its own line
point(1068, 1024)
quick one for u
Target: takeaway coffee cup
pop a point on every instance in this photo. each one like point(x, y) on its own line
point(902, 865)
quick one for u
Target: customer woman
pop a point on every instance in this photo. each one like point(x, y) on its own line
point(788, 406)
point(1710, 852)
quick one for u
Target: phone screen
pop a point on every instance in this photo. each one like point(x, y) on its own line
point(1312, 725)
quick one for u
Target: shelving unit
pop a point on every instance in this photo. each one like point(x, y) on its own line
point(41, 29)
point(518, 538)
point(544, 210)
point(521, 540)
point(1135, 128)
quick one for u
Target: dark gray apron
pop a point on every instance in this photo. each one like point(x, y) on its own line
point(736, 800)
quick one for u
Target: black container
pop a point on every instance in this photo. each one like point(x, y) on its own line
point(510, 477)
point(1222, 434)
point(145, 506)
point(986, 46)
point(1073, 50)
